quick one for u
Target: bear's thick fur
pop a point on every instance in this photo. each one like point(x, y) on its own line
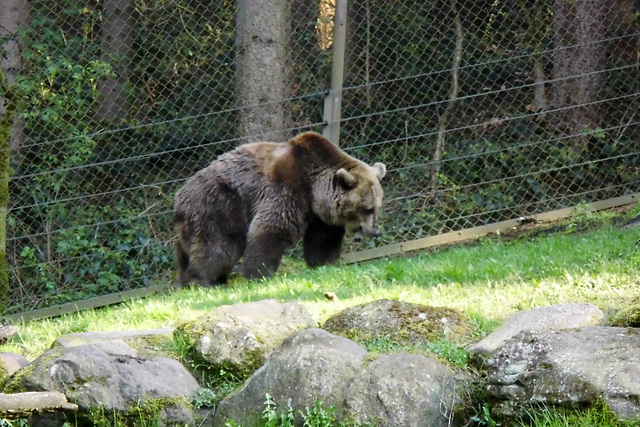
point(261, 198)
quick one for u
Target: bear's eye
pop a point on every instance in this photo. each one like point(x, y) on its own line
point(367, 211)
point(352, 217)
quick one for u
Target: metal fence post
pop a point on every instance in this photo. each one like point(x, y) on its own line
point(332, 103)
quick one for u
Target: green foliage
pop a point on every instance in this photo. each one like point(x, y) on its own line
point(501, 159)
point(597, 415)
point(316, 416)
point(80, 221)
point(69, 247)
point(205, 397)
point(271, 417)
point(484, 418)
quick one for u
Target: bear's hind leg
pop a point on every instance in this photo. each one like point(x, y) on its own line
point(210, 264)
point(213, 267)
point(222, 237)
point(182, 260)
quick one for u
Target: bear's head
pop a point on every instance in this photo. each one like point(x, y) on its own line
point(356, 199)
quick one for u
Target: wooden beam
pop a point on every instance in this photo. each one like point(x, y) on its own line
point(25, 404)
point(475, 232)
point(95, 302)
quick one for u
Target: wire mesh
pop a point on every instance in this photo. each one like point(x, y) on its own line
point(482, 111)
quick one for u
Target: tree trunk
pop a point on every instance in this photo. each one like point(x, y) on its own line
point(579, 56)
point(263, 33)
point(116, 47)
point(14, 16)
point(6, 125)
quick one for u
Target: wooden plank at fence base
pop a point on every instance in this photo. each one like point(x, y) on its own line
point(475, 232)
point(95, 302)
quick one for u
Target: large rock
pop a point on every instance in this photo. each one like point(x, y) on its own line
point(403, 389)
point(311, 364)
point(401, 321)
point(240, 337)
point(580, 366)
point(111, 375)
point(553, 317)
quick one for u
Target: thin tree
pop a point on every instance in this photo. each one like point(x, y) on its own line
point(537, 18)
point(443, 121)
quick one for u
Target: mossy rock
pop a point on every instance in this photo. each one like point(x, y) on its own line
point(4, 375)
point(628, 317)
point(16, 384)
point(238, 338)
point(400, 321)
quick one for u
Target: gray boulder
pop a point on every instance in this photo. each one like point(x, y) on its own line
point(10, 363)
point(111, 375)
point(403, 389)
point(240, 337)
point(401, 321)
point(311, 364)
point(580, 366)
point(553, 317)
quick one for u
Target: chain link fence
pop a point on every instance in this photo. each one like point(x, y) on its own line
point(482, 111)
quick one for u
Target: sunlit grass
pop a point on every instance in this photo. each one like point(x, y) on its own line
point(489, 279)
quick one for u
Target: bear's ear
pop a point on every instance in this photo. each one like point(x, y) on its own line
point(345, 178)
point(381, 170)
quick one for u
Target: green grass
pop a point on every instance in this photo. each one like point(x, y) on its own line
point(490, 280)
point(443, 349)
point(598, 415)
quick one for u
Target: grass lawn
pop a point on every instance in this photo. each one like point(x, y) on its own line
point(489, 279)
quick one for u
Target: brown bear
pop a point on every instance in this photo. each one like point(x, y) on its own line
point(261, 198)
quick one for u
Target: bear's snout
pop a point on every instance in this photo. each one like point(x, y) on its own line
point(370, 231)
